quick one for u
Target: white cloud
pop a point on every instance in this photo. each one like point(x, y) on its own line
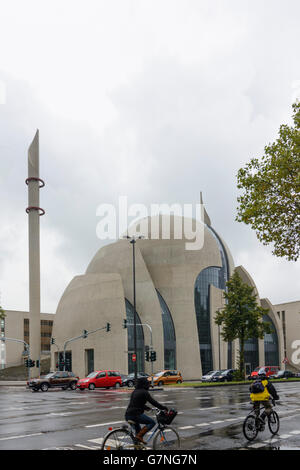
point(153, 100)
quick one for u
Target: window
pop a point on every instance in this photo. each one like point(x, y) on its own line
point(271, 343)
point(169, 334)
point(139, 339)
point(101, 375)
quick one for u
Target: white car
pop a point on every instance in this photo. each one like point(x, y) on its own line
point(209, 375)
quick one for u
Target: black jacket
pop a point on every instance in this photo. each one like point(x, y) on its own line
point(138, 400)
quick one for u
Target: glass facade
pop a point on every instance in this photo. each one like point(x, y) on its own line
point(208, 276)
point(169, 335)
point(271, 345)
point(251, 353)
point(140, 346)
point(216, 276)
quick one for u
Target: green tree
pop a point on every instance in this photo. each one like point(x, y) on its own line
point(2, 313)
point(241, 317)
point(270, 203)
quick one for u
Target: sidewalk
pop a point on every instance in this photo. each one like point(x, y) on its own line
point(10, 383)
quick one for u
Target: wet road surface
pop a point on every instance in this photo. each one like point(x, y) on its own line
point(208, 419)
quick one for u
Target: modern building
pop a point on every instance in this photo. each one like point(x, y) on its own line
point(16, 326)
point(178, 292)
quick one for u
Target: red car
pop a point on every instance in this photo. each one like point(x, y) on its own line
point(100, 379)
point(268, 370)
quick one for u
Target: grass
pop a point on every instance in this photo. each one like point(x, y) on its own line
point(222, 384)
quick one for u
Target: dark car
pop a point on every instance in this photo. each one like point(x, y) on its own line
point(57, 379)
point(224, 375)
point(128, 380)
point(283, 374)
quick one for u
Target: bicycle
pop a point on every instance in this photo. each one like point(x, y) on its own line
point(164, 436)
point(254, 424)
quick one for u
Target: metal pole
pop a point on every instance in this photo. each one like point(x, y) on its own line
point(134, 309)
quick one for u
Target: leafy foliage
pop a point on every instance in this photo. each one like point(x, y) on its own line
point(241, 317)
point(271, 201)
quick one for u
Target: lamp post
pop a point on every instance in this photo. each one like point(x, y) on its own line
point(133, 240)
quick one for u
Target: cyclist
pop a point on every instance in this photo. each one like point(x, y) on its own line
point(137, 406)
point(261, 391)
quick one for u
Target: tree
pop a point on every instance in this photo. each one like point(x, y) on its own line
point(241, 317)
point(2, 313)
point(271, 200)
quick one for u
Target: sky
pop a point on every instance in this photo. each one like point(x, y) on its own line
point(153, 100)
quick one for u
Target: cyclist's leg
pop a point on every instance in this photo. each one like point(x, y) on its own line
point(149, 424)
point(267, 409)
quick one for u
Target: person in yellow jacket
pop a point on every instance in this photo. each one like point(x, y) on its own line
point(260, 393)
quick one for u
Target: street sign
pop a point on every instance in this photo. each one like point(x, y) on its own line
point(133, 357)
point(285, 361)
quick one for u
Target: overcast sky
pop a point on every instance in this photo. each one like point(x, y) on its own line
point(156, 100)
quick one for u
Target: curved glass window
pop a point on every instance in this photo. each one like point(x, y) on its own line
point(271, 345)
point(140, 353)
point(251, 353)
point(208, 276)
point(169, 334)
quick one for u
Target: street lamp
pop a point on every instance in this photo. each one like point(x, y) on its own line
point(133, 240)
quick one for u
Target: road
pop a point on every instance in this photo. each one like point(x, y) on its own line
point(208, 418)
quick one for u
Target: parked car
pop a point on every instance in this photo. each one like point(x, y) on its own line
point(57, 379)
point(100, 379)
point(269, 370)
point(254, 373)
point(209, 376)
point(128, 380)
point(166, 377)
point(224, 375)
point(283, 374)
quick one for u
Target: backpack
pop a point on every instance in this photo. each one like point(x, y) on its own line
point(257, 387)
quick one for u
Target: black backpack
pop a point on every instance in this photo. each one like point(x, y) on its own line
point(257, 387)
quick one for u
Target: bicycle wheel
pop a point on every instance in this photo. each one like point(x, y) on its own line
point(118, 439)
point(249, 428)
point(273, 422)
point(166, 438)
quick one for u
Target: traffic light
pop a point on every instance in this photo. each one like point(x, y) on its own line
point(38, 363)
point(147, 356)
point(124, 323)
point(153, 356)
point(52, 340)
point(27, 363)
point(107, 326)
point(31, 363)
point(84, 333)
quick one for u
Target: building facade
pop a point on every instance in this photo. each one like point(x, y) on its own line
point(177, 294)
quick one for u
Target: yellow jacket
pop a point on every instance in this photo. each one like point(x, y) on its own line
point(263, 396)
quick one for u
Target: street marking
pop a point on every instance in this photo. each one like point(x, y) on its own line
point(87, 447)
point(20, 437)
point(294, 432)
point(217, 422)
point(257, 445)
point(103, 424)
point(186, 427)
point(203, 424)
point(284, 436)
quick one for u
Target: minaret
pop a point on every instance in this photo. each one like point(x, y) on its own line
point(34, 212)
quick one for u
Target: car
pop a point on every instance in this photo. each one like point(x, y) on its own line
point(100, 379)
point(58, 379)
point(166, 377)
point(254, 373)
point(283, 374)
point(209, 375)
point(128, 380)
point(224, 375)
point(269, 370)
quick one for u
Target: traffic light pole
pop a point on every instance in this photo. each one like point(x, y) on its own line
point(151, 343)
point(3, 338)
point(84, 335)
